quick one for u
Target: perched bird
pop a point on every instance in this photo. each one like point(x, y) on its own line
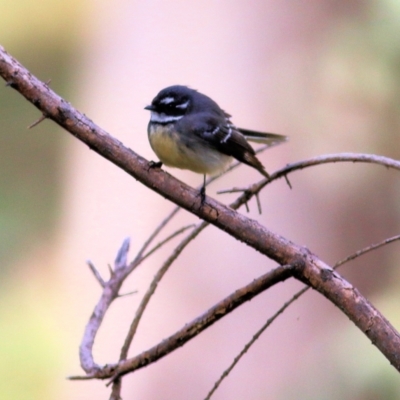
point(189, 130)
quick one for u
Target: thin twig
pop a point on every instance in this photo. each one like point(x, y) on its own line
point(42, 118)
point(366, 250)
point(127, 294)
point(121, 260)
point(153, 286)
point(166, 240)
point(159, 228)
point(253, 340)
point(233, 190)
point(287, 181)
point(96, 273)
point(258, 203)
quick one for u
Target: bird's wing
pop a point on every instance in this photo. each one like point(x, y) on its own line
point(220, 134)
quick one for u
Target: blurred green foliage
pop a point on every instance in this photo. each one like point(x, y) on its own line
point(42, 36)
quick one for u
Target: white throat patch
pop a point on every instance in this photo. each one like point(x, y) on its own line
point(162, 118)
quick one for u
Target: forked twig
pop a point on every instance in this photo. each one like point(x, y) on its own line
point(286, 305)
point(111, 288)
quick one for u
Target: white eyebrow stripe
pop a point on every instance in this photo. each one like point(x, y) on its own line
point(167, 100)
point(163, 118)
point(183, 105)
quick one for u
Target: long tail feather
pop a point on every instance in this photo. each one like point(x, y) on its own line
point(270, 139)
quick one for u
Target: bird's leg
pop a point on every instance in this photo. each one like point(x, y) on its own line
point(203, 191)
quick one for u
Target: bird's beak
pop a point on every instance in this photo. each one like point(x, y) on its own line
point(150, 108)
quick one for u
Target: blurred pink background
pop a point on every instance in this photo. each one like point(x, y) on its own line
point(324, 73)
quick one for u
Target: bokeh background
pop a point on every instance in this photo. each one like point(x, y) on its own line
point(326, 73)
